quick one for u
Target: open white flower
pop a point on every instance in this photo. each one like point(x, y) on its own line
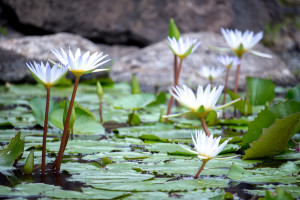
point(46, 75)
point(229, 61)
point(211, 72)
point(183, 47)
point(207, 147)
point(201, 103)
point(80, 64)
point(241, 43)
point(206, 98)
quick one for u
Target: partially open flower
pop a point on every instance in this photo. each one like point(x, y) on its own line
point(241, 43)
point(183, 47)
point(81, 63)
point(45, 74)
point(207, 147)
point(211, 72)
point(201, 103)
point(229, 61)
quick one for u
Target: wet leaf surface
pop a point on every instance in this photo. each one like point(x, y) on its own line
point(145, 161)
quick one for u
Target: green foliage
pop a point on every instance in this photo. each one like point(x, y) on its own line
point(260, 90)
point(280, 195)
point(244, 107)
point(135, 86)
point(29, 164)
point(12, 152)
point(294, 93)
point(38, 106)
point(173, 30)
point(85, 122)
point(134, 101)
point(266, 118)
point(105, 161)
point(274, 139)
point(134, 119)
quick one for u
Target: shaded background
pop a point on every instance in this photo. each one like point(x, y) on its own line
point(135, 23)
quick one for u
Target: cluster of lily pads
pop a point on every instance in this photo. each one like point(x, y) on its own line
point(152, 135)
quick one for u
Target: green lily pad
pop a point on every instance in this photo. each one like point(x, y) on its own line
point(294, 93)
point(38, 106)
point(243, 106)
point(85, 124)
point(181, 185)
point(260, 90)
point(134, 101)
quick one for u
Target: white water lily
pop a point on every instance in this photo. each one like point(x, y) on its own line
point(80, 64)
point(229, 61)
point(45, 74)
point(202, 103)
point(206, 147)
point(241, 43)
point(206, 98)
point(211, 72)
point(183, 47)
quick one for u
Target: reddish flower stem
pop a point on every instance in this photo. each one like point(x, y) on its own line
point(45, 132)
point(225, 86)
point(175, 84)
point(200, 169)
point(64, 140)
point(203, 122)
point(236, 83)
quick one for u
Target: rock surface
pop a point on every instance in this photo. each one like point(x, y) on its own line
point(15, 53)
point(126, 21)
point(153, 65)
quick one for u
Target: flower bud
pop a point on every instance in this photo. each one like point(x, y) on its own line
point(99, 90)
point(135, 86)
point(29, 164)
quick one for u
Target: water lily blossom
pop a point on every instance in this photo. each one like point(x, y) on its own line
point(80, 64)
point(200, 104)
point(229, 61)
point(211, 73)
point(183, 47)
point(207, 148)
point(241, 43)
point(45, 74)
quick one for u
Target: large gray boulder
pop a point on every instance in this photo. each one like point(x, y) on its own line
point(153, 65)
point(14, 53)
point(136, 21)
point(125, 21)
